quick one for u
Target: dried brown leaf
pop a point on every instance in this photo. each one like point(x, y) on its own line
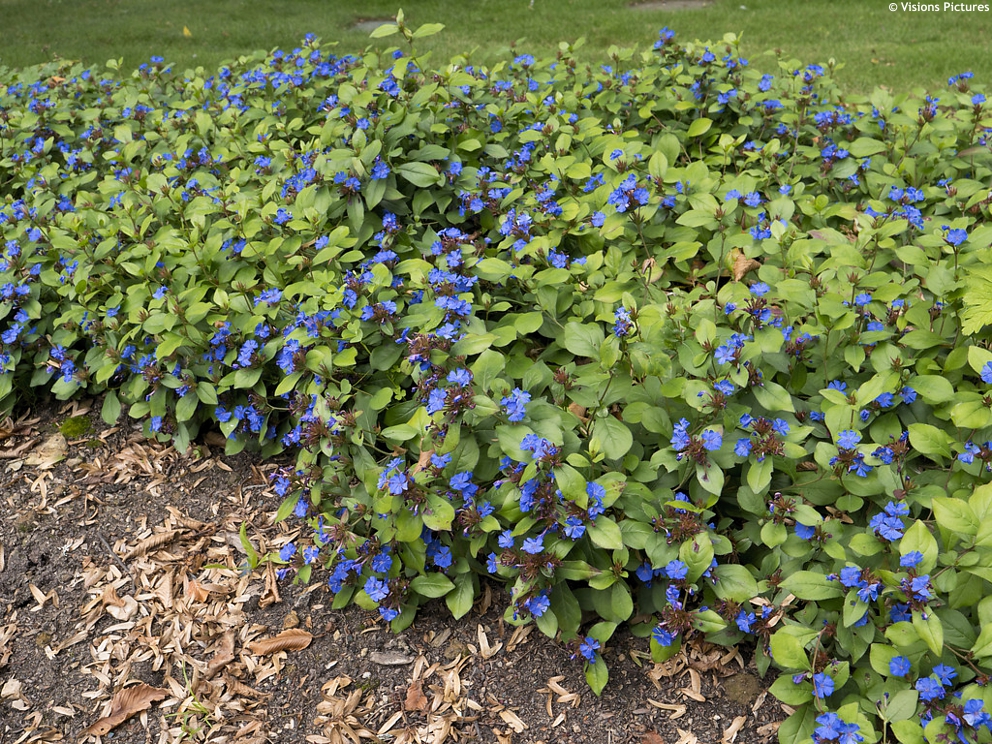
point(222, 657)
point(125, 704)
point(415, 698)
point(579, 411)
point(742, 264)
point(240, 688)
point(153, 542)
point(652, 737)
point(390, 658)
point(47, 454)
point(730, 733)
point(423, 461)
point(289, 640)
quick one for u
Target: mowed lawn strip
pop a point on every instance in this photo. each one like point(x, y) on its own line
point(899, 49)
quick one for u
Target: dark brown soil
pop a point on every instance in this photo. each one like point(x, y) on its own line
point(109, 577)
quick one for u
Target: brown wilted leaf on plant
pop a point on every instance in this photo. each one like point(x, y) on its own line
point(742, 264)
point(125, 704)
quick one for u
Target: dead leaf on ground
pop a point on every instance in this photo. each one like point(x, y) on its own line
point(125, 704)
point(288, 640)
point(730, 733)
point(415, 698)
point(390, 658)
point(150, 543)
point(652, 737)
point(49, 453)
point(223, 656)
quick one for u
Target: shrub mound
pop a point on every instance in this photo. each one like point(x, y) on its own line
point(665, 341)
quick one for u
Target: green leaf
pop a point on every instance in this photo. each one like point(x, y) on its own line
point(583, 339)
point(918, 538)
point(473, 343)
point(934, 389)
point(983, 644)
point(428, 29)
point(111, 410)
point(605, 533)
point(567, 610)
point(811, 585)
point(908, 732)
point(930, 630)
point(432, 585)
point(597, 675)
point(420, 175)
point(386, 29)
point(789, 692)
point(789, 652)
point(249, 548)
point(773, 397)
point(461, 599)
point(697, 554)
point(900, 707)
point(955, 515)
point(759, 475)
point(734, 582)
point(439, 514)
point(699, 127)
point(929, 440)
point(611, 437)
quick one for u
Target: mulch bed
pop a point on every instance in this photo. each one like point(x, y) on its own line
point(128, 613)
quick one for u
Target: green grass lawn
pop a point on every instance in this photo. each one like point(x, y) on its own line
point(899, 49)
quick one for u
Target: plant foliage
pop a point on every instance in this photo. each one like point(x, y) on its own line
point(663, 339)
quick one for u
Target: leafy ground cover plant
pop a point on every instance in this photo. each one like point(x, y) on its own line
point(665, 342)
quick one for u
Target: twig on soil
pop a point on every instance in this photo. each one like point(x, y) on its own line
point(116, 557)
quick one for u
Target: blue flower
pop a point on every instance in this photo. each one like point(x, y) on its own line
point(574, 529)
point(848, 439)
point(823, 685)
point(287, 551)
point(743, 447)
point(899, 666)
point(805, 532)
point(514, 404)
point(677, 570)
point(956, 237)
point(945, 673)
point(759, 289)
point(724, 387)
point(382, 562)
point(588, 649)
point(538, 605)
point(662, 636)
point(712, 440)
point(987, 373)
point(911, 559)
point(460, 376)
point(929, 689)
point(534, 545)
point(376, 588)
point(745, 620)
point(680, 435)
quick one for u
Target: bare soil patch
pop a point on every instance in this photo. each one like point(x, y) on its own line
point(122, 566)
